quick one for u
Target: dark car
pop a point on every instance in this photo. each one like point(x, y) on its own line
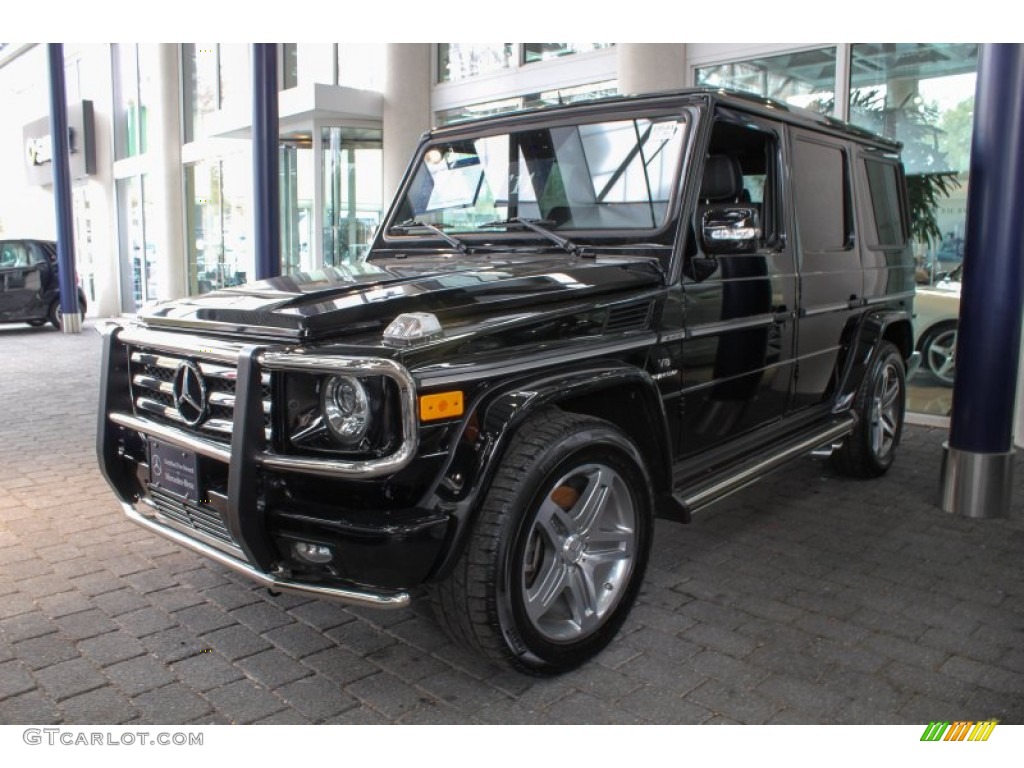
point(571, 321)
point(29, 285)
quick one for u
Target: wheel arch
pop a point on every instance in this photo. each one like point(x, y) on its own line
point(621, 394)
point(874, 328)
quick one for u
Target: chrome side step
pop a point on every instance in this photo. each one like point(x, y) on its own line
point(744, 473)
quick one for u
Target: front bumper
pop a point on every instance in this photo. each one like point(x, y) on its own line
point(245, 519)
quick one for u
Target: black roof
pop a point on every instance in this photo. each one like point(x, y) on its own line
point(740, 100)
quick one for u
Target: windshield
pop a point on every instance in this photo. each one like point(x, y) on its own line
point(593, 176)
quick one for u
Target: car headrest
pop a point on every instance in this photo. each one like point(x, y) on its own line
point(723, 179)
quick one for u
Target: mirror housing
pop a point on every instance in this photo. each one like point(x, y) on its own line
point(730, 229)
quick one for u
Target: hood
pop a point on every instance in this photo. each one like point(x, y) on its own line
point(348, 302)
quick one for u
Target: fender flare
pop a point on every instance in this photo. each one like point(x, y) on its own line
point(873, 328)
point(500, 412)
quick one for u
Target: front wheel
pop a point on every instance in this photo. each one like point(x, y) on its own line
point(558, 551)
point(880, 406)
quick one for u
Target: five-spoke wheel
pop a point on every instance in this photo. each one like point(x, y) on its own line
point(558, 550)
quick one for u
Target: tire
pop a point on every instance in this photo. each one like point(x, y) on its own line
point(880, 406)
point(54, 314)
point(558, 550)
point(938, 353)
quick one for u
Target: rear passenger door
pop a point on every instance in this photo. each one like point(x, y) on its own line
point(828, 260)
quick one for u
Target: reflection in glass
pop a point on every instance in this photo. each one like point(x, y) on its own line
point(457, 61)
point(555, 96)
point(802, 79)
point(612, 175)
point(533, 52)
point(922, 94)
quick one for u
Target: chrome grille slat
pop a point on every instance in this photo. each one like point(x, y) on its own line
point(152, 379)
point(153, 383)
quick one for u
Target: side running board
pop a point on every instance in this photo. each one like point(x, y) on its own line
point(743, 473)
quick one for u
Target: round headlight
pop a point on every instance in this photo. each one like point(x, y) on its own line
point(346, 408)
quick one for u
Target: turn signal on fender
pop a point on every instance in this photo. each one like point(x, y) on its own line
point(440, 405)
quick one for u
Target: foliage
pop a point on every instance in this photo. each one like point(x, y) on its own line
point(930, 175)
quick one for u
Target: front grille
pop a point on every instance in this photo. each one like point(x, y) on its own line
point(199, 518)
point(152, 376)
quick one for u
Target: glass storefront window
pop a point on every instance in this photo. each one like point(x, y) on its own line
point(802, 78)
point(922, 94)
point(138, 253)
point(200, 83)
point(219, 222)
point(136, 69)
point(353, 195)
point(457, 61)
point(214, 76)
point(544, 98)
point(533, 52)
point(289, 65)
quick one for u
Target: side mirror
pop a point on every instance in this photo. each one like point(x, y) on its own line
point(730, 229)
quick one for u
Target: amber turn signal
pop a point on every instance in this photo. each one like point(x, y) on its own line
point(440, 405)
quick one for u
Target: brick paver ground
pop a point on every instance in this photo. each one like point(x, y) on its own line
point(805, 599)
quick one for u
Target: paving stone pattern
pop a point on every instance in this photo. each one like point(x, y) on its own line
point(807, 598)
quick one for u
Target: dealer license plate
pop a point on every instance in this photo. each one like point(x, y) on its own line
point(173, 470)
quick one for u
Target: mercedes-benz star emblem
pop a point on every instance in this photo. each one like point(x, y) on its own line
point(189, 391)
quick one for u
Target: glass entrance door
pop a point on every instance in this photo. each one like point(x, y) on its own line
point(352, 167)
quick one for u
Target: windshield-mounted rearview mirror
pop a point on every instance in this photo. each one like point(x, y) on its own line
point(730, 229)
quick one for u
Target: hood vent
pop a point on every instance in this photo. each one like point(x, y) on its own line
point(633, 317)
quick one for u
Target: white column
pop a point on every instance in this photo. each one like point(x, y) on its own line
point(100, 190)
point(406, 108)
point(649, 67)
point(164, 187)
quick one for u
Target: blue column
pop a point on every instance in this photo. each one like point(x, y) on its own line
point(71, 320)
point(267, 195)
point(978, 465)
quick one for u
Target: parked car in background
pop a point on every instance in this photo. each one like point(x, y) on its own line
point(937, 314)
point(29, 286)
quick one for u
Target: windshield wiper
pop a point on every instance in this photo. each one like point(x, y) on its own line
point(535, 226)
point(413, 224)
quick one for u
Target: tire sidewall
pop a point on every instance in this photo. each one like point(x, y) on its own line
point(926, 343)
point(888, 354)
point(591, 445)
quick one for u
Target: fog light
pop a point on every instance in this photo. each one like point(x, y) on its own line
point(308, 552)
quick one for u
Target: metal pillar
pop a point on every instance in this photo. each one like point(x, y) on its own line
point(71, 319)
point(977, 467)
point(267, 194)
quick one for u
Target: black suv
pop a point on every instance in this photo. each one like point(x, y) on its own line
point(29, 286)
point(571, 321)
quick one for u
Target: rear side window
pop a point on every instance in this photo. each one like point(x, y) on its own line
point(822, 196)
point(883, 184)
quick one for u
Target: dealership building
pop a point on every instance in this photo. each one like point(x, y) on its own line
point(161, 139)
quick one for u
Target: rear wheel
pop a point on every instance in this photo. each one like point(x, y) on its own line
point(558, 551)
point(54, 315)
point(880, 406)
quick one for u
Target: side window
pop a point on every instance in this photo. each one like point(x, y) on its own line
point(822, 192)
point(884, 187)
point(13, 255)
